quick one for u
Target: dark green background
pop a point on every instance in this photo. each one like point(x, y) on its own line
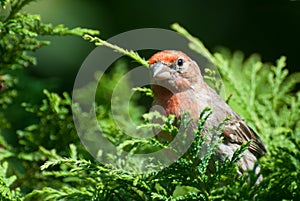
point(270, 28)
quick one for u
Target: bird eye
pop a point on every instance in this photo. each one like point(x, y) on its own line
point(179, 62)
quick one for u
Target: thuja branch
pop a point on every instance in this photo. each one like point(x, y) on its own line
point(129, 53)
point(195, 44)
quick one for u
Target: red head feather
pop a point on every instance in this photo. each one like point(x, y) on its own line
point(168, 57)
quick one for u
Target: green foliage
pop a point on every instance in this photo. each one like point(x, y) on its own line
point(129, 53)
point(48, 162)
point(55, 121)
point(180, 181)
point(19, 35)
point(23, 153)
point(264, 95)
point(6, 183)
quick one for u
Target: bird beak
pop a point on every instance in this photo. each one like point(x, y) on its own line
point(160, 71)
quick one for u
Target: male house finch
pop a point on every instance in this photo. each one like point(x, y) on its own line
point(178, 86)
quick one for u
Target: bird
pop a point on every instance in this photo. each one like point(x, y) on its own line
point(178, 87)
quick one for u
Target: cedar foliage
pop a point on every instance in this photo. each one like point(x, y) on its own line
point(46, 161)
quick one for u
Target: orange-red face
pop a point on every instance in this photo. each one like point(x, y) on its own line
point(173, 70)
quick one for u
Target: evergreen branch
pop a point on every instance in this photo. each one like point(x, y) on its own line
point(144, 90)
point(16, 6)
point(129, 53)
point(195, 44)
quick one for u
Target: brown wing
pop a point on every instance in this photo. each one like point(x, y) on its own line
point(236, 131)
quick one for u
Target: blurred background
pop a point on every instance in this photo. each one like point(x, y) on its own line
point(270, 28)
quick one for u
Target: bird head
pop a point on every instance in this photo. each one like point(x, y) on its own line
point(174, 70)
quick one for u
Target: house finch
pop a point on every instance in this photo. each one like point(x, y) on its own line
point(178, 86)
